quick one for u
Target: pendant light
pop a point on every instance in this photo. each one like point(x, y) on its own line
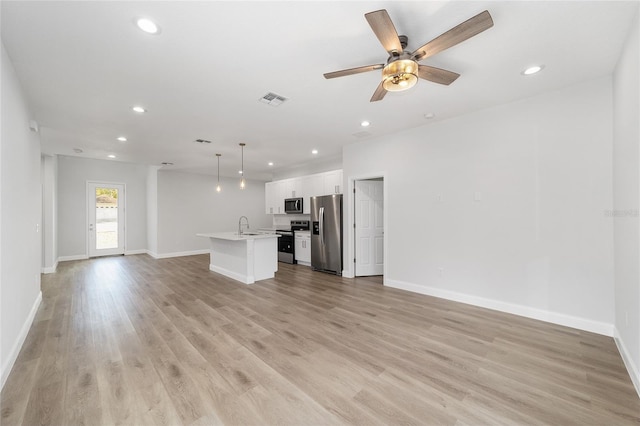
point(218, 188)
point(242, 183)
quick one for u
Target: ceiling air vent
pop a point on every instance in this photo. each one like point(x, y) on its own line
point(273, 99)
point(361, 135)
point(202, 141)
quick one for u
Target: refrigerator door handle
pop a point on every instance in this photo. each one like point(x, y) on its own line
point(321, 226)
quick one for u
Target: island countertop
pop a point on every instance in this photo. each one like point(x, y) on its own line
point(248, 257)
point(233, 236)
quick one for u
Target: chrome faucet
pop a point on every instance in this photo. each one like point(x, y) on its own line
point(240, 224)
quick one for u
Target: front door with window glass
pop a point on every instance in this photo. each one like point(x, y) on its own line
point(106, 218)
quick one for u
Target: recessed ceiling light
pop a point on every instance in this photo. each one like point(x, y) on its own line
point(121, 138)
point(111, 156)
point(533, 69)
point(365, 123)
point(148, 26)
point(240, 171)
point(271, 163)
point(77, 150)
point(315, 151)
point(139, 109)
point(429, 115)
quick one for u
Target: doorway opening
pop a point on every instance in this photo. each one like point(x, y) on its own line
point(106, 219)
point(369, 227)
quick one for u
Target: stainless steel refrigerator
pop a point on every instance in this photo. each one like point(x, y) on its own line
point(326, 233)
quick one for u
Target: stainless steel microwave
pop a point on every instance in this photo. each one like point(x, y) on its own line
point(293, 205)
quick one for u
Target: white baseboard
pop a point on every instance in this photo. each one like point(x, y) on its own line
point(246, 279)
point(632, 368)
point(132, 252)
point(524, 311)
point(177, 254)
point(76, 257)
point(347, 273)
point(17, 345)
point(50, 269)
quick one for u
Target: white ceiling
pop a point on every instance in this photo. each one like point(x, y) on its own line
point(83, 65)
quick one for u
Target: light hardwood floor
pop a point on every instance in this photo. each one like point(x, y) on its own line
point(133, 340)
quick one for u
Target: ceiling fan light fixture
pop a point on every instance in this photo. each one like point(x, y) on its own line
point(400, 75)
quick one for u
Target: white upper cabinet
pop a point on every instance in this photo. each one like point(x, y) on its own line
point(268, 197)
point(292, 188)
point(305, 186)
point(274, 197)
point(332, 182)
point(306, 192)
point(271, 195)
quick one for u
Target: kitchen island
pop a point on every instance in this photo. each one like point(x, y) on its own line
point(247, 257)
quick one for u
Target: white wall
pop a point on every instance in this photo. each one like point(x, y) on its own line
point(319, 165)
point(152, 210)
point(626, 190)
point(20, 216)
point(73, 174)
point(538, 242)
point(189, 204)
point(49, 213)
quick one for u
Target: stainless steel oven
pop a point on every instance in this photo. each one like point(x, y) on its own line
point(286, 246)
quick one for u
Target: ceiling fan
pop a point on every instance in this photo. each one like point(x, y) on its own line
point(402, 70)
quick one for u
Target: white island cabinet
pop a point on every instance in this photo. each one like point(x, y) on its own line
point(247, 258)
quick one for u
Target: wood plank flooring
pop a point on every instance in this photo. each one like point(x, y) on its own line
point(135, 340)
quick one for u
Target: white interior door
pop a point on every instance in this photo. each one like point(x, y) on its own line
point(105, 205)
point(369, 230)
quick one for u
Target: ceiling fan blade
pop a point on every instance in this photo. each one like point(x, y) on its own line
point(455, 35)
point(379, 93)
point(437, 75)
point(383, 28)
point(350, 71)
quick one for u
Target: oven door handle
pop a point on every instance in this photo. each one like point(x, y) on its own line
point(321, 226)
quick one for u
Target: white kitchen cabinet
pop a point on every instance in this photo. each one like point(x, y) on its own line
point(280, 195)
point(292, 188)
point(316, 185)
point(305, 186)
point(332, 182)
point(303, 247)
point(274, 197)
point(269, 189)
